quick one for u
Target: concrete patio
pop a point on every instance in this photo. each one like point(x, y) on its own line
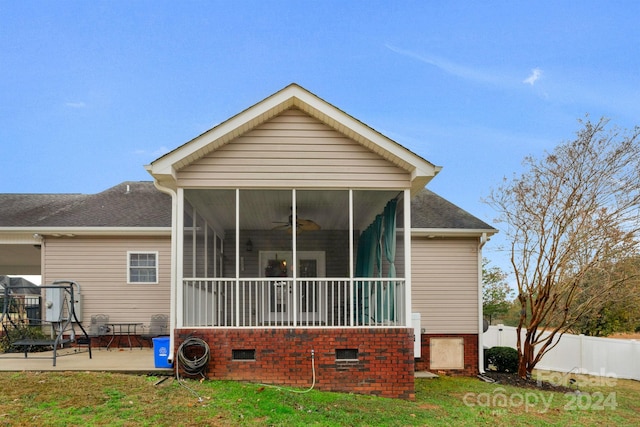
point(116, 360)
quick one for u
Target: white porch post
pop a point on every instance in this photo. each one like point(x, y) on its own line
point(407, 257)
point(294, 241)
point(237, 274)
point(351, 261)
point(179, 234)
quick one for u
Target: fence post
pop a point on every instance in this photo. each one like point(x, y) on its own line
point(581, 360)
point(635, 357)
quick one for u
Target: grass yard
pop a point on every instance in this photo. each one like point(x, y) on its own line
point(89, 398)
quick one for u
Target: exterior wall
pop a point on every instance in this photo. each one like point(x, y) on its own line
point(445, 284)
point(385, 364)
point(445, 293)
point(99, 265)
point(470, 354)
point(293, 150)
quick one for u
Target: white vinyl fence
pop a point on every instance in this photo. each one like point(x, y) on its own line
point(579, 353)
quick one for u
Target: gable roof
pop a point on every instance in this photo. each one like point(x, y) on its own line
point(131, 204)
point(164, 168)
point(431, 216)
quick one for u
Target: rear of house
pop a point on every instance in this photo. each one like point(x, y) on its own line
point(286, 251)
point(292, 251)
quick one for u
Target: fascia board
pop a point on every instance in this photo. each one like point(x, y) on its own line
point(292, 95)
point(222, 133)
point(391, 149)
point(452, 232)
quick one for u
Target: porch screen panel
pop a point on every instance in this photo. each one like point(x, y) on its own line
point(379, 300)
point(208, 302)
point(322, 257)
point(188, 240)
point(201, 252)
point(265, 227)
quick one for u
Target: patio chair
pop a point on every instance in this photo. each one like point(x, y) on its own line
point(99, 327)
point(158, 326)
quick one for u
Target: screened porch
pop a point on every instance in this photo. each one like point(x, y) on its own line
point(292, 258)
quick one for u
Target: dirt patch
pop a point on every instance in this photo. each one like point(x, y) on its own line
point(532, 383)
point(626, 336)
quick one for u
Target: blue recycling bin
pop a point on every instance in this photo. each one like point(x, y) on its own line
point(161, 352)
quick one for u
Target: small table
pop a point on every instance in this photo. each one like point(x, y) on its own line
point(121, 329)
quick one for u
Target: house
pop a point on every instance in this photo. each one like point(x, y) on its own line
point(91, 239)
point(279, 238)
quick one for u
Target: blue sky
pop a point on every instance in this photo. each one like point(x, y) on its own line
point(90, 91)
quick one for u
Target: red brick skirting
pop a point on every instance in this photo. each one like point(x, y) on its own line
point(470, 342)
point(384, 364)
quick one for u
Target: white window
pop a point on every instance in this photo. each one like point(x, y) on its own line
point(143, 267)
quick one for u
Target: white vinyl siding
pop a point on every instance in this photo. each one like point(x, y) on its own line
point(445, 284)
point(99, 265)
point(293, 150)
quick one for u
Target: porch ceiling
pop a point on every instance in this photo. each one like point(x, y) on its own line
point(20, 259)
point(266, 209)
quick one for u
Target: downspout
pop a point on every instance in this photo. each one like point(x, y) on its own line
point(174, 252)
point(483, 240)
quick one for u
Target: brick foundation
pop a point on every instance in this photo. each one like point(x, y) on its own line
point(384, 364)
point(470, 343)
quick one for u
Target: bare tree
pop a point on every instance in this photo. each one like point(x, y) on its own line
point(570, 214)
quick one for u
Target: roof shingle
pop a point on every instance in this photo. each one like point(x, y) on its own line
point(129, 204)
point(428, 210)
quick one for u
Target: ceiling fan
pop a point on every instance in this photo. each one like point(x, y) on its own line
point(301, 225)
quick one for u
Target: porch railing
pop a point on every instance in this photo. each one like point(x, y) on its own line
point(285, 302)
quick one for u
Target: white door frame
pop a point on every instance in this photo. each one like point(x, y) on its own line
point(285, 287)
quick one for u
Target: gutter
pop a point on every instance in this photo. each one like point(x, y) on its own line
point(483, 233)
point(174, 228)
point(86, 231)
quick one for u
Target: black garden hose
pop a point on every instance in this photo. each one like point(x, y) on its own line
point(193, 356)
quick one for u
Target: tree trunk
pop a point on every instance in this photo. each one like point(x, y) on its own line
point(526, 356)
point(522, 366)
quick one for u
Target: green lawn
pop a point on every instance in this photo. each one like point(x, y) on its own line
point(63, 399)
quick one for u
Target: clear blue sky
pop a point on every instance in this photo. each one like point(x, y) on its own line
point(90, 91)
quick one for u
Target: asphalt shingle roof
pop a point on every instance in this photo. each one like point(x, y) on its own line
point(428, 210)
point(141, 206)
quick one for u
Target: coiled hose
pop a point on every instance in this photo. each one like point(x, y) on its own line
point(193, 356)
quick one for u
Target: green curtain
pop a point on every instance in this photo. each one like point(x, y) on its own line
point(361, 270)
point(369, 260)
point(376, 246)
point(380, 233)
point(389, 237)
point(376, 250)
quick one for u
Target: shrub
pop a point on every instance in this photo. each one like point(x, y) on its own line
point(505, 359)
